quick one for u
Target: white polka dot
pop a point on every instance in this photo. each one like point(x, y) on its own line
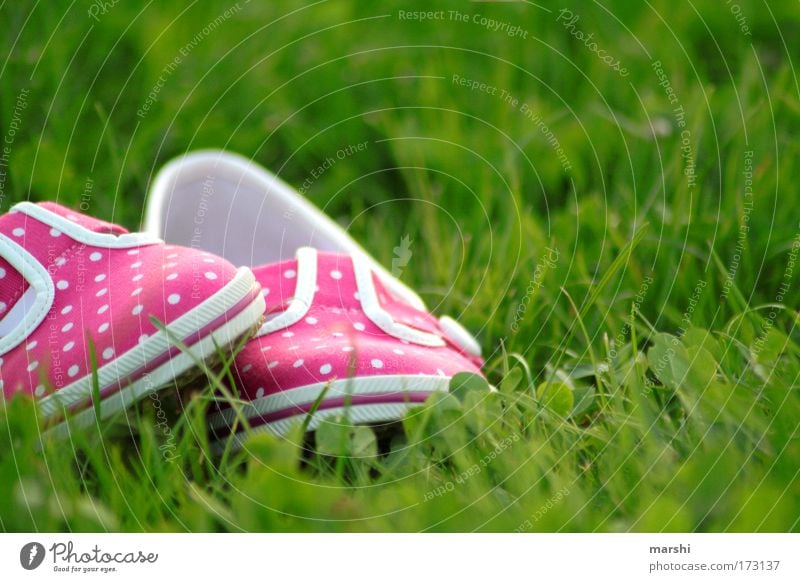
point(39, 390)
point(290, 273)
point(266, 348)
point(348, 348)
point(440, 372)
point(325, 369)
point(136, 291)
point(32, 366)
point(62, 284)
point(298, 363)
point(170, 265)
point(68, 346)
point(103, 327)
point(108, 353)
point(336, 274)
point(359, 326)
point(260, 393)
point(337, 334)
point(95, 256)
point(72, 217)
point(208, 260)
point(211, 276)
point(293, 348)
point(137, 310)
point(102, 292)
point(287, 334)
point(172, 276)
point(100, 277)
point(3, 306)
point(376, 363)
point(18, 231)
point(247, 368)
point(272, 365)
point(357, 296)
point(143, 338)
point(136, 265)
point(133, 252)
point(398, 352)
point(174, 299)
point(102, 309)
point(55, 232)
point(311, 320)
point(2, 272)
point(73, 371)
point(138, 277)
point(32, 345)
point(265, 291)
point(67, 327)
point(61, 261)
point(172, 255)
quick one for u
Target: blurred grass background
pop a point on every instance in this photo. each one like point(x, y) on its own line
point(112, 91)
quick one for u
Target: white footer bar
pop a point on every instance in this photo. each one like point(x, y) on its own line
point(401, 558)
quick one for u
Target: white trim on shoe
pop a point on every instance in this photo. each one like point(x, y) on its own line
point(367, 295)
point(460, 336)
point(168, 371)
point(26, 316)
point(382, 318)
point(160, 343)
point(83, 235)
point(306, 395)
point(304, 291)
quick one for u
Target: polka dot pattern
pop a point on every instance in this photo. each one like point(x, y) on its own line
point(96, 299)
point(335, 339)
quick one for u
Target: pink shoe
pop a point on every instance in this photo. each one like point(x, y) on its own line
point(69, 280)
point(334, 327)
point(337, 322)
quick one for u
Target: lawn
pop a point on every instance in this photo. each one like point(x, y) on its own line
point(602, 192)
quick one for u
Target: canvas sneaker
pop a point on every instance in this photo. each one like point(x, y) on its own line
point(81, 297)
point(341, 335)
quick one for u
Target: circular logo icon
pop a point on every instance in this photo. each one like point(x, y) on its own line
point(31, 555)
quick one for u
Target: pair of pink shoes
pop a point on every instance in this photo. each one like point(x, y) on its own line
point(245, 254)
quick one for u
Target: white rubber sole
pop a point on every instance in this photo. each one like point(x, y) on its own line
point(158, 347)
point(294, 404)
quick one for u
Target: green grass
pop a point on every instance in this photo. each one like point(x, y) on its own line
point(663, 317)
